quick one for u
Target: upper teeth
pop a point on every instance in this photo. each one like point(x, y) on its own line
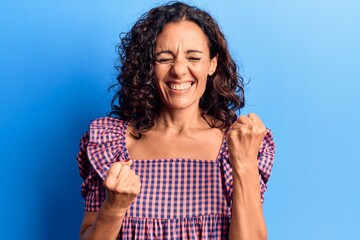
point(181, 86)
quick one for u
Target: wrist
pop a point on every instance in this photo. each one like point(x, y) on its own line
point(244, 165)
point(116, 211)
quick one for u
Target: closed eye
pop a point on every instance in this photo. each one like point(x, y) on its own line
point(165, 60)
point(194, 59)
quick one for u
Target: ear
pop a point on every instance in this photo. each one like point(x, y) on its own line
point(213, 65)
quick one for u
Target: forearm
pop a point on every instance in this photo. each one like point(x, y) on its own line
point(107, 224)
point(247, 220)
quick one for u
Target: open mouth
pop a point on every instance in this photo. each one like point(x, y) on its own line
point(180, 86)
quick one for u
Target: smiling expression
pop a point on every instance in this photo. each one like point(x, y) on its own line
point(183, 64)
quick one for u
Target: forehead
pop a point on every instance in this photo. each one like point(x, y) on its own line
point(184, 34)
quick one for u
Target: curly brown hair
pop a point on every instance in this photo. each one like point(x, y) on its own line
point(137, 96)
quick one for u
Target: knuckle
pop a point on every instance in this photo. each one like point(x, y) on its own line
point(244, 130)
point(119, 188)
point(252, 115)
point(242, 118)
point(107, 185)
point(232, 134)
point(109, 182)
point(135, 191)
point(132, 173)
point(137, 180)
point(114, 166)
point(125, 166)
point(261, 129)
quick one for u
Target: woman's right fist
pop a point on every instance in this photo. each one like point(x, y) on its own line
point(122, 185)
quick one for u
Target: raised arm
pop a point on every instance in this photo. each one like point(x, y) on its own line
point(245, 138)
point(122, 186)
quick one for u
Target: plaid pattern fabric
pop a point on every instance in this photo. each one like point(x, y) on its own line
point(179, 198)
point(202, 227)
point(178, 188)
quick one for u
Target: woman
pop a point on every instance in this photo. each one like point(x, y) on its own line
point(174, 161)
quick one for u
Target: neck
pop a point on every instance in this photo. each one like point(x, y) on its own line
point(182, 120)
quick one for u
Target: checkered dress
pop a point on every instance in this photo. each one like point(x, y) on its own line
point(179, 198)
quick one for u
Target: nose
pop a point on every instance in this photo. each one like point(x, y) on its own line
point(179, 68)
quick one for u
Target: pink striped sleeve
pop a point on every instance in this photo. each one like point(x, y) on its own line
point(92, 188)
point(266, 161)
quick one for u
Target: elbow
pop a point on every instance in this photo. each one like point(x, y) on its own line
point(263, 235)
point(84, 233)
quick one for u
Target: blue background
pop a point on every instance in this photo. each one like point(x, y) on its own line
point(57, 61)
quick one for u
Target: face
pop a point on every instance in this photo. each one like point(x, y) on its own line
point(182, 64)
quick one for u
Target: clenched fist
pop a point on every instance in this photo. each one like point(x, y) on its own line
point(244, 139)
point(122, 185)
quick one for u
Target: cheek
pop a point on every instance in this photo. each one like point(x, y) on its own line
point(159, 81)
point(200, 72)
point(160, 72)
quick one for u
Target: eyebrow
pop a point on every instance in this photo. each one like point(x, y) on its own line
point(172, 53)
point(193, 51)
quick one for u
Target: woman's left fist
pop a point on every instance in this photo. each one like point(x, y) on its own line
point(245, 137)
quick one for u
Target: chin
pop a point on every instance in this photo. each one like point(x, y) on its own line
point(181, 105)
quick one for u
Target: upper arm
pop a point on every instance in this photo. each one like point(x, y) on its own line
point(92, 189)
point(91, 185)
